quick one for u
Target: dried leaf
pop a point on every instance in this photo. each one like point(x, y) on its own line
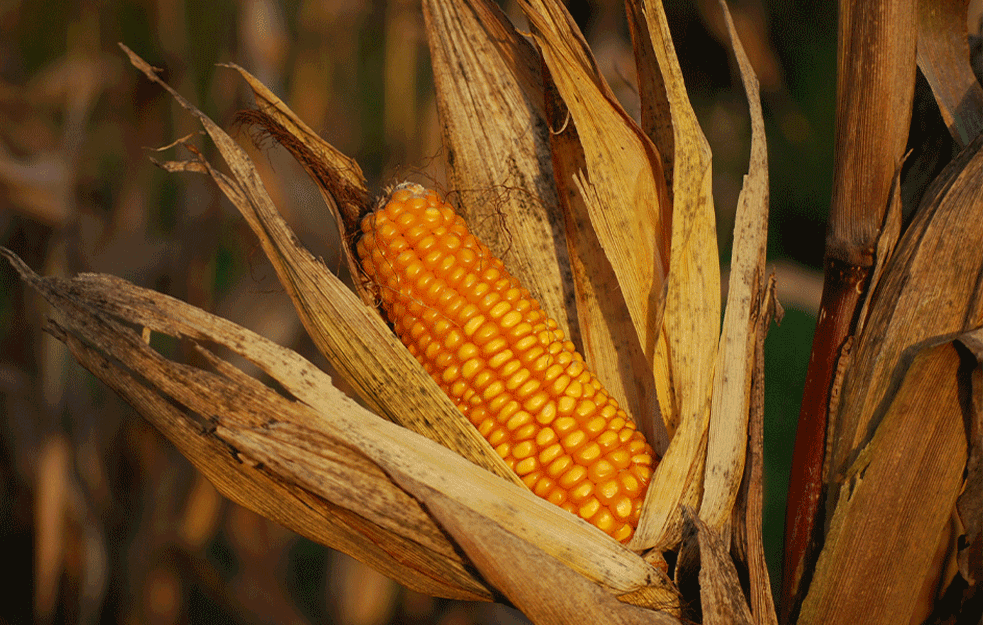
point(490, 98)
point(943, 57)
point(729, 411)
point(930, 288)
point(318, 450)
point(687, 347)
point(406, 549)
point(538, 584)
point(351, 335)
point(628, 202)
point(875, 561)
point(609, 341)
point(721, 596)
point(748, 538)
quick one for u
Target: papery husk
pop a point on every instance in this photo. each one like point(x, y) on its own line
point(616, 278)
point(489, 91)
point(692, 308)
point(736, 356)
point(609, 341)
point(622, 185)
point(324, 466)
point(350, 334)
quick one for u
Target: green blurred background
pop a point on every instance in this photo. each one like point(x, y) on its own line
point(101, 520)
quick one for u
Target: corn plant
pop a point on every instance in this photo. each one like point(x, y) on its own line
point(537, 396)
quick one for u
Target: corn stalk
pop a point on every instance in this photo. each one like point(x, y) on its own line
point(882, 423)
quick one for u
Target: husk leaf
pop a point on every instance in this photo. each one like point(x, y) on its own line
point(686, 355)
point(318, 444)
point(490, 98)
point(349, 333)
point(627, 199)
point(380, 525)
point(609, 341)
point(728, 435)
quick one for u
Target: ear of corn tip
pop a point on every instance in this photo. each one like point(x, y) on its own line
point(505, 363)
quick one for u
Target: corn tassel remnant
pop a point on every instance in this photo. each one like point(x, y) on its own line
point(505, 364)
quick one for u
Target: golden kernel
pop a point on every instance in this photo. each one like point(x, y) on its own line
point(470, 368)
point(545, 437)
point(601, 470)
point(565, 425)
point(566, 404)
point(527, 389)
point(517, 379)
point(604, 521)
point(595, 425)
point(453, 340)
point(557, 496)
point(574, 440)
point(503, 449)
point(520, 331)
point(458, 388)
point(620, 458)
point(466, 351)
point(559, 467)
point(588, 454)
point(511, 319)
point(583, 490)
point(450, 374)
point(499, 309)
point(561, 384)
point(507, 411)
point(497, 436)
point(608, 440)
point(551, 453)
point(536, 403)
point(525, 432)
point(543, 485)
point(574, 390)
point(482, 380)
point(524, 449)
point(510, 367)
point(573, 476)
point(493, 390)
point(546, 414)
point(623, 507)
point(518, 420)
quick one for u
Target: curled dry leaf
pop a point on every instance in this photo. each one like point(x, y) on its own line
point(315, 460)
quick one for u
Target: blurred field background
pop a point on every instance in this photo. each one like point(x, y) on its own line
point(101, 520)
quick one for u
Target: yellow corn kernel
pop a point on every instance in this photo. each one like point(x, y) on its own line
point(505, 364)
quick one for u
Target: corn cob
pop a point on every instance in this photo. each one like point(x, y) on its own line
point(488, 345)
